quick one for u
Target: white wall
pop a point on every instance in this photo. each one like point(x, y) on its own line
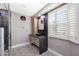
point(2, 6)
point(20, 30)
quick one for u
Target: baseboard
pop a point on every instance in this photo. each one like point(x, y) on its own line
point(54, 52)
point(19, 45)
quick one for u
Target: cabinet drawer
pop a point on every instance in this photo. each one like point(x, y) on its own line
point(36, 42)
point(31, 39)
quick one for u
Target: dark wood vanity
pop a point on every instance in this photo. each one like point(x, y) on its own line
point(39, 36)
point(40, 42)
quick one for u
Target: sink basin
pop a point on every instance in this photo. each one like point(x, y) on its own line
point(38, 34)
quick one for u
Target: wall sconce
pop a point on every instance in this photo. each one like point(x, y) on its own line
point(23, 18)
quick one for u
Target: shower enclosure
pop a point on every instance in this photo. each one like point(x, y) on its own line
point(4, 31)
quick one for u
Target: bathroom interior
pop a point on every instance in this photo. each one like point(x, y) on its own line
point(39, 29)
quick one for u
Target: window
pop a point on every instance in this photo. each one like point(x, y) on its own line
point(63, 23)
point(58, 24)
point(72, 16)
point(52, 25)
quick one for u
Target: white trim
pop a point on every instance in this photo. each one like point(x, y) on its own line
point(19, 45)
point(54, 52)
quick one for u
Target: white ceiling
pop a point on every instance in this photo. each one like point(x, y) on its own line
point(28, 9)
